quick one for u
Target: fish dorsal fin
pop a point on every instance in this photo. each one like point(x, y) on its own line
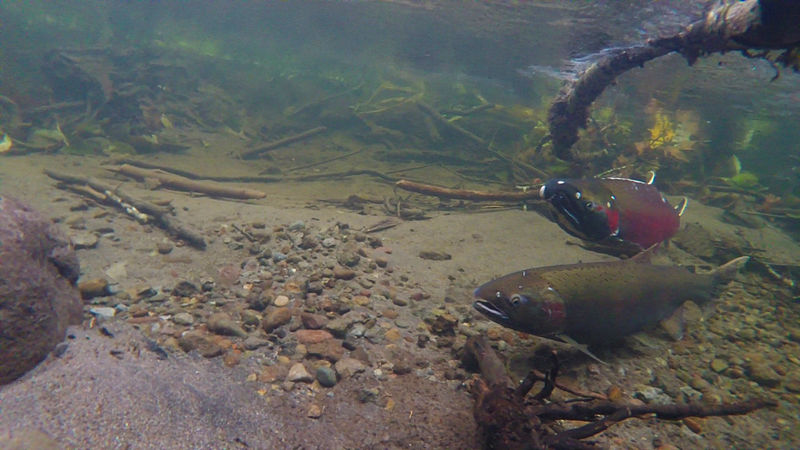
point(582, 347)
point(646, 255)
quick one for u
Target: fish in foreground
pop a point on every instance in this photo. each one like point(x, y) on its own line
point(596, 303)
point(612, 209)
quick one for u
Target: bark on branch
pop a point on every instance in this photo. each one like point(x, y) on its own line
point(509, 418)
point(739, 26)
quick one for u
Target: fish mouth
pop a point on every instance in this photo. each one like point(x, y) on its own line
point(563, 203)
point(491, 311)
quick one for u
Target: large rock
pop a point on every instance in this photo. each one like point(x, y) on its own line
point(38, 296)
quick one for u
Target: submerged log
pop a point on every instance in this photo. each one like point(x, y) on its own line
point(738, 26)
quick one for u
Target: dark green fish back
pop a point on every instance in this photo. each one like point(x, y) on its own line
point(605, 301)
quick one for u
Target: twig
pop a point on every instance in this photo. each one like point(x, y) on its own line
point(160, 215)
point(250, 154)
point(450, 125)
point(466, 194)
point(186, 184)
point(325, 161)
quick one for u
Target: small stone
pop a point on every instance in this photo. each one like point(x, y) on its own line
point(183, 318)
point(368, 395)
point(271, 374)
point(763, 374)
point(361, 300)
point(281, 300)
point(275, 318)
point(614, 393)
point(298, 373)
point(297, 226)
point(381, 261)
point(314, 411)
point(97, 287)
point(434, 255)
point(693, 423)
point(84, 240)
point(343, 273)
point(393, 335)
point(348, 258)
point(103, 312)
point(250, 317)
point(326, 376)
point(718, 365)
point(221, 323)
point(792, 382)
point(164, 247)
point(313, 321)
point(254, 342)
point(329, 242)
point(312, 336)
point(331, 350)
point(347, 367)
point(198, 341)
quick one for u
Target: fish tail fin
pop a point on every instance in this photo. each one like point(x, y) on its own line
point(728, 271)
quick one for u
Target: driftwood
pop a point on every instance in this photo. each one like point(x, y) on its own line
point(141, 210)
point(737, 26)
point(186, 184)
point(250, 154)
point(466, 194)
point(509, 419)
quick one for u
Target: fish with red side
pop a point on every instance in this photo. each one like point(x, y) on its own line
point(596, 303)
point(597, 209)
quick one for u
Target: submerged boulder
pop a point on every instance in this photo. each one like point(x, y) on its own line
point(38, 296)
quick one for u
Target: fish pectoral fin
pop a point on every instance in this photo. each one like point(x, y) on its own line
point(582, 347)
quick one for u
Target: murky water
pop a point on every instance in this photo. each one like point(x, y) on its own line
point(323, 106)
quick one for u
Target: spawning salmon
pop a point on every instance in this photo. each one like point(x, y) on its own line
point(595, 303)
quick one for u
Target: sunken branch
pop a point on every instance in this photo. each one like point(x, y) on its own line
point(738, 26)
point(509, 418)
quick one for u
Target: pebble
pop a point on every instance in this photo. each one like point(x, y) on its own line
point(343, 273)
point(298, 373)
point(361, 300)
point(84, 241)
point(718, 365)
point(195, 340)
point(694, 424)
point(434, 255)
point(164, 247)
point(312, 336)
point(297, 225)
point(97, 287)
point(281, 300)
point(393, 335)
point(183, 318)
point(313, 321)
point(250, 317)
point(103, 312)
point(326, 376)
point(314, 411)
point(254, 342)
point(331, 350)
point(329, 242)
point(222, 323)
point(347, 367)
point(275, 318)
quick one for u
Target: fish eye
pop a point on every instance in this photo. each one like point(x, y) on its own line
point(589, 205)
point(516, 299)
